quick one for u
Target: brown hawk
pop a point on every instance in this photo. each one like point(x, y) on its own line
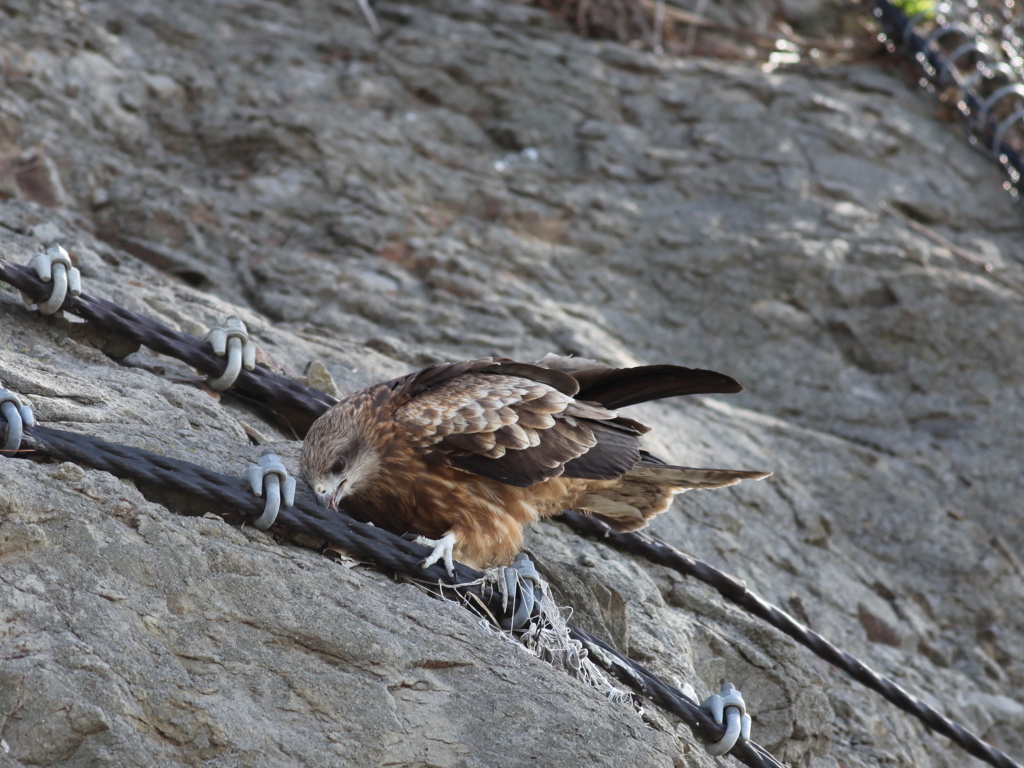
point(465, 454)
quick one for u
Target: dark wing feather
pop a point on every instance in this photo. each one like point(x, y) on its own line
point(628, 386)
point(432, 376)
point(619, 387)
point(413, 384)
point(616, 452)
point(563, 381)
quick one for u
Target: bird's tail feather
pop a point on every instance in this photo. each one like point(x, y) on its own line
point(691, 478)
point(648, 489)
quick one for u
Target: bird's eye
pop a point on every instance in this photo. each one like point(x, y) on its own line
point(338, 466)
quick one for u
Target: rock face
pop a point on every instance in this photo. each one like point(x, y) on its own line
point(473, 181)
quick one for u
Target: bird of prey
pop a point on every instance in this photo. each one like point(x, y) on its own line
point(465, 454)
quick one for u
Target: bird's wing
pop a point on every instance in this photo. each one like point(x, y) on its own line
point(507, 421)
point(620, 387)
point(441, 374)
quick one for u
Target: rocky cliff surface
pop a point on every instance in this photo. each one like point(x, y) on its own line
point(476, 180)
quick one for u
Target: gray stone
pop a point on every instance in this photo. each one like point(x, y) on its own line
point(478, 181)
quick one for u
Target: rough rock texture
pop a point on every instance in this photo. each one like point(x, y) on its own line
point(479, 181)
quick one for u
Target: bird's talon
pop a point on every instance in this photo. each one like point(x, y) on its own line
point(442, 551)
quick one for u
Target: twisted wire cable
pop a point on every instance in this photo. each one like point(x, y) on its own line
point(736, 592)
point(267, 388)
point(370, 543)
point(636, 676)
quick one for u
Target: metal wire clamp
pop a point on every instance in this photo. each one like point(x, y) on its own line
point(727, 706)
point(17, 416)
point(231, 339)
point(270, 478)
point(54, 265)
point(521, 586)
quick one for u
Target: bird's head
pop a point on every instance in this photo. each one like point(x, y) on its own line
point(339, 454)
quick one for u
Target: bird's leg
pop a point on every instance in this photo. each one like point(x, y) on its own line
point(442, 550)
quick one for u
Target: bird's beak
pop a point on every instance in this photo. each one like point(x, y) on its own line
point(332, 498)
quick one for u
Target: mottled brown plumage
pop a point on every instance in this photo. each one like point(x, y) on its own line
point(466, 454)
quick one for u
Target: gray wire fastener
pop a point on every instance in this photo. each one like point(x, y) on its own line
point(728, 706)
point(521, 586)
point(17, 416)
point(1004, 126)
point(996, 95)
point(270, 478)
point(979, 46)
point(931, 44)
point(54, 265)
point(940, 32)
point(231, 339)
point(988, 71)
